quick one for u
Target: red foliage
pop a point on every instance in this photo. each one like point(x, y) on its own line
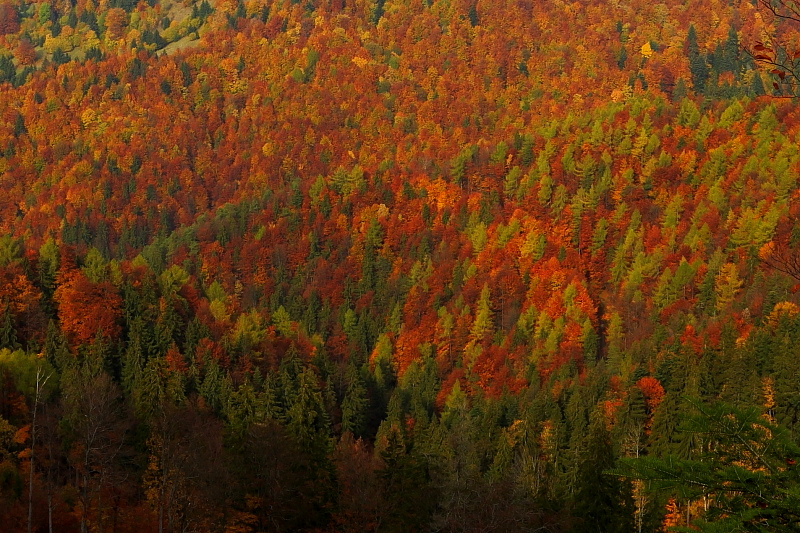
point(693, 340)
point(9, 21)
point(175, 361)
point(86, 309)
point(25, 52)
point(652, 391)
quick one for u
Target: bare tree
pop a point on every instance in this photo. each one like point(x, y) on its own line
point(186, 477)
point(92, 407)
point(780, 254)
point(42, 378)
point(51, 459)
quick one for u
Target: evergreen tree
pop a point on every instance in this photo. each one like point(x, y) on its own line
point(55, 350)
point(604, 502)
point(757, 84)
point(134, 358)
point(355, 403)
point(630, 431)
point(729, 56)
point(745, 473)
point(409, 495)
point(698, 66)
point(665, 438)
point(8, 333)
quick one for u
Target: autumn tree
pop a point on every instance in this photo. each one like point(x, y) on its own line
point(86, 308)
point(9, 20)
point(778, 54)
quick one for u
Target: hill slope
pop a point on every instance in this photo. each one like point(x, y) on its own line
point(499, 242)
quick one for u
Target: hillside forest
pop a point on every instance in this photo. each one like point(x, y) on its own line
point(399, 266)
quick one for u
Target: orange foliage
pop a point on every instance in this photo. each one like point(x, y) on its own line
point(86, 309)
point(652, 391)
point(9, 21)
point(22, 299)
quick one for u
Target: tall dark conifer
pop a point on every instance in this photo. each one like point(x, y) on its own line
point(603, 502)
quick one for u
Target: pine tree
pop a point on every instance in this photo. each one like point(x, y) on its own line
point(409, 495)
point(665, 438)
point(55, 348)
point(729, 57)
point(745, 473)
point(8, 334)
point(757, 85)
point(603, 502)
point(134, 358)
point(355, 403)
point(698, 66)
point(631, 426)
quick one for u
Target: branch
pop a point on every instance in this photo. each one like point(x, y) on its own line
point(774, 55)
point(782, 9)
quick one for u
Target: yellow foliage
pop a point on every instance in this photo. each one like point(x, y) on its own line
point(769, 397)
point(766, 250)
point(727, 285)
point(781, 309)
point(87, 117)
point(219, 311)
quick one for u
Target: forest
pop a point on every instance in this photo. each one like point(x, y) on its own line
point(399, 266)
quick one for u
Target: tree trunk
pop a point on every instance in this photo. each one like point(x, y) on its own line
point(40, 383)
point(30, 465)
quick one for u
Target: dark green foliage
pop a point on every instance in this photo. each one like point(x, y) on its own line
point(355, 403)
point(698, 66)
point(153, 36)
point(136, 68)
point(411, 497)
point(127, 5)
point(746, 471)
point(757, 85)
point(93, 54)
point(90, 19)
point(378, 11)
point(7, 69)
point(666, 439)
point(19, 126)
point(603, 502)
point(622, 57)
point(727, 56)
point(8, 333)
point(55, 349)
point(473, 14)
point(60, 57)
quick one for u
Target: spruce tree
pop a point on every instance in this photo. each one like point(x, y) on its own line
point(603, 502)
point(698, 66)
point(8, 334)
point(409, 495)
point(355, 403)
